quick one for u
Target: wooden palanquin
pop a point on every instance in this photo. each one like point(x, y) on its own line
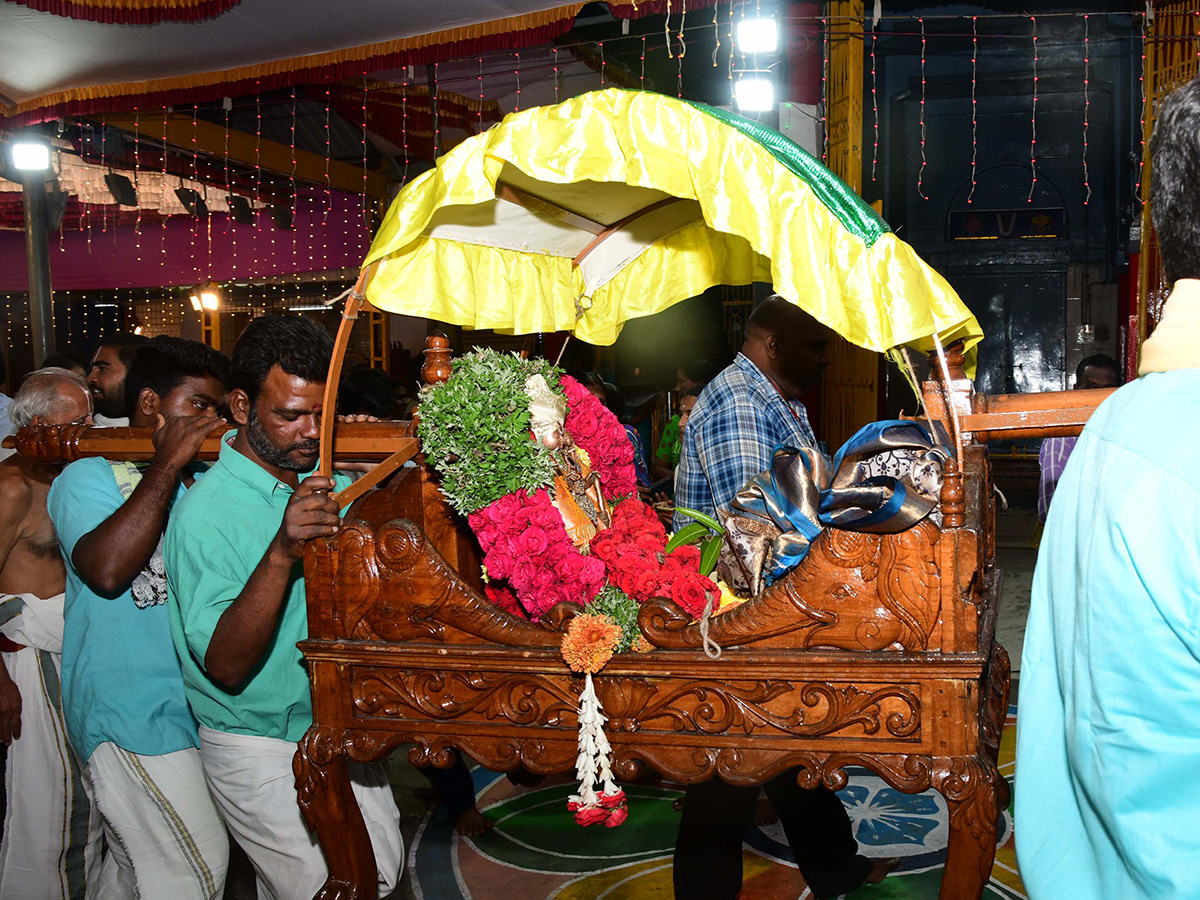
point(877, 651)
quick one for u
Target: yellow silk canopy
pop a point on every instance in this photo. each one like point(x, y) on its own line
point(617, 204)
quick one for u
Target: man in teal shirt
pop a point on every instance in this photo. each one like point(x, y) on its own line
point(126, 714)
point(237, 602)
point(1108, 737)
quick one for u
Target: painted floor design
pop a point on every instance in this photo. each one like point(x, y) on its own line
point(536, 852)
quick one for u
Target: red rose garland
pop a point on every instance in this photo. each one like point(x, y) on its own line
point(634, 552)
point(600, 434)
point(524, 541)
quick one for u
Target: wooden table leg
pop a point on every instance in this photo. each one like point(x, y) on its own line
point(969, 785)
point(330, 809)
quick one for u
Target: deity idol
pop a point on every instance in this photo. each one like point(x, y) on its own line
point(576, 493)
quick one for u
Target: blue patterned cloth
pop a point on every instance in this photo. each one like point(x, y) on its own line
point(639, 456)
point(738, 421)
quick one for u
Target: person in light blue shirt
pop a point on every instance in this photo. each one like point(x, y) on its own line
point(126, 713)
point(1108, 736)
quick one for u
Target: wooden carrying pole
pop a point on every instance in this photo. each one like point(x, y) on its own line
point(60, 444)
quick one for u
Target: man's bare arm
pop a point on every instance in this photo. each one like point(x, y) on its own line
point(15, 496)
point(244, 630)
point(111, 555)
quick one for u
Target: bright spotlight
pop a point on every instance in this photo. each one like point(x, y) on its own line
point(30, 156)
point(759, 35)
point(754, 94)
point(206, 296)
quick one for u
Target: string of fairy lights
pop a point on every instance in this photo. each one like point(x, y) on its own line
point(743, 41)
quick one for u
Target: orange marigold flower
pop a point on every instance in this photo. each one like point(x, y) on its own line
point(590, 642)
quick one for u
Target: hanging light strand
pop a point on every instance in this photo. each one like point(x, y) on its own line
point(716, 30)
point(1033, 117)
point(1137, 188)
point(479, 123)
point(924, 162)
point(137, 161)
point(404, 124)
point(824, 87)
point(667, 30)
point(1087, 102)
point(162, 231)
point(328, 153)
point(974, 106)
point(874, 102)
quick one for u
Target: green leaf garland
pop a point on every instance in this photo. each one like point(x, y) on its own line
point(474, 429)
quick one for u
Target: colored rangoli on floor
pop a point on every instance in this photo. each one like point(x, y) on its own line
point(536, 852)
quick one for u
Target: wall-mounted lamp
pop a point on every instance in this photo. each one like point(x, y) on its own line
point(206, 296)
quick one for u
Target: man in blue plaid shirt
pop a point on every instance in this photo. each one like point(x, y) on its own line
point(741, 417)
point(749, 409)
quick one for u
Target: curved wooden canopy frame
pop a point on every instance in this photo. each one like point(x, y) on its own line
point(354, 301)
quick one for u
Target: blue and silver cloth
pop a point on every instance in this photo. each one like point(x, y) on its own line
point(885, 479)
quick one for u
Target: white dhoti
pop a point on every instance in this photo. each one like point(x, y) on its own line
point(252, 781)
point(165, 837)
point(51, 845)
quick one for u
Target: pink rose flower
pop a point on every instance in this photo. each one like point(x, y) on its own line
point(592, 569)
point(545, 517)
point(499, 565)
point(524, 575)
point(533, 541)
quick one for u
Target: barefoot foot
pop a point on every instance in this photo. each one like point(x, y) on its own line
point(472, 823)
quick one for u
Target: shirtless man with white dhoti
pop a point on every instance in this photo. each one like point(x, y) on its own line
point(51, 844)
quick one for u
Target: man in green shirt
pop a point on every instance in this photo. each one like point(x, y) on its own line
point(233, 554)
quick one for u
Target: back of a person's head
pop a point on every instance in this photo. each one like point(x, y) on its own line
point(297, 344)
point(64, 359)
point(1175, 182)
point(700, 371)
point(126, 343)
point(614, 399)
point(163, 363)
point(1098, 361)
point(40, 394)
point(366, 392)
point(591, 380)
point(778, 316)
